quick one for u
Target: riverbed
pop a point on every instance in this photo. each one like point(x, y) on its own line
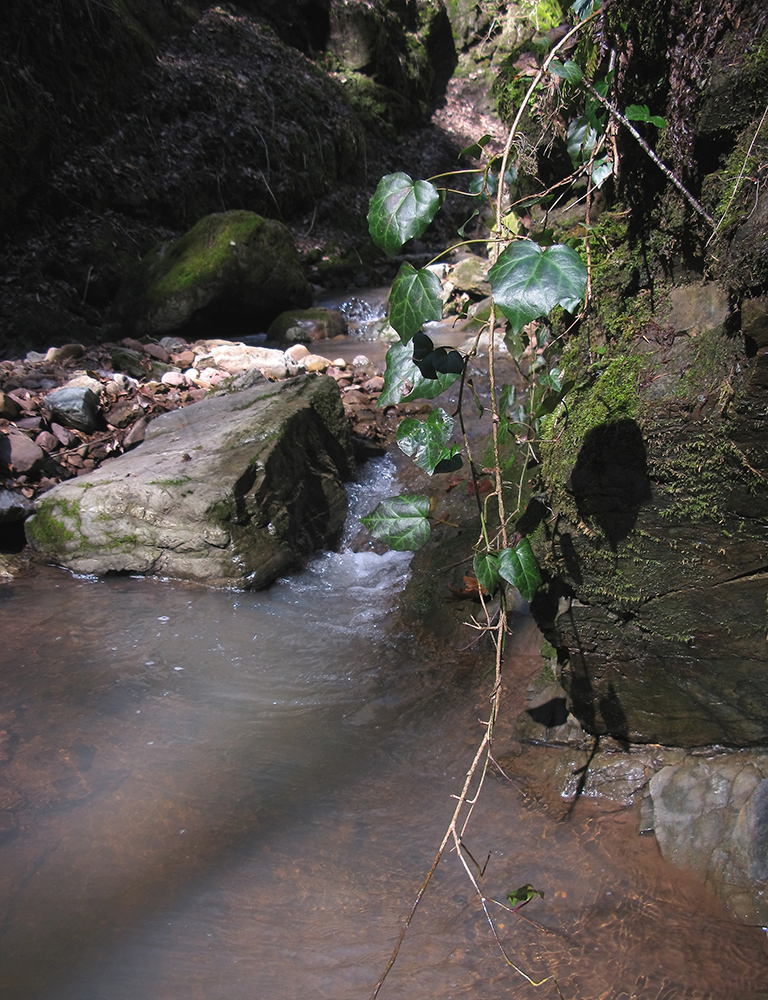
point(222, 795)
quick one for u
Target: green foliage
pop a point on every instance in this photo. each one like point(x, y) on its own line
point(519, 897)
point(427, 442)
point(518, 566)
point(528, 282)
point(403, 380)
point(402, 521)
point(401, 209)
point(414, 300)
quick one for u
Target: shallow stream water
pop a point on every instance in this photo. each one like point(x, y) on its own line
point(216, 795)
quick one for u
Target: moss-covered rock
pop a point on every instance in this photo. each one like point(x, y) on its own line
point(230, 491)
point(231, 268)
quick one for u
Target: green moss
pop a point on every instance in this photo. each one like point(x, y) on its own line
point(205, 250)
point(609, 394)
point(49, 532)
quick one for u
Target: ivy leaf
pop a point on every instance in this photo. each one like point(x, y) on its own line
point(528, 282)
point(400, 210)
point(403, 381)
point(566, 71)
point(441, 361)
point(486, 568)
point(414, 300)
point(580, 140)
point(427, 442)
point(476, 149)
point(518, 566)
point(519, 897)
point(402, 521)
point(583, 8)
point(640, 113)
point(601, 171)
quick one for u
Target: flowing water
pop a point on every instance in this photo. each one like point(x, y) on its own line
point(216, 795)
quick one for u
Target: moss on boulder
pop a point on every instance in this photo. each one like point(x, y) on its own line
point(231, 268)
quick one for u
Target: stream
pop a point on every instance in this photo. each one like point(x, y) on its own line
point(216, 795)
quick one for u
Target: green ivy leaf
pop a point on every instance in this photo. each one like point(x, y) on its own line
point(518, 566)
point(400, 210)
point(427, 442)
point(403, 381)
point(414, 300)
point(486, 568)
point(583, 8)
point(528, 282)
point(402, 521)
point(519, 897)
point(566, 71)
point(601, 171)
point(476, 149)
point(640, 113)
point(580, 140)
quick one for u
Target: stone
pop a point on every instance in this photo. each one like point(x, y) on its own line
point(136, 434)
point(20, 454)
point(234, 358)
point(124, 413)
point(710, 816)
point(64, 353)
point(698, 307)
point(470, 275)
point(84, 381)
point(9, 408)
point(157, 352)
point(297, 352)
point(63, 435)
point(230, 491)
point(754, 320)
point(232, 267)
point(74, 406)
point(306, 325)
point(174, 379)
point(47, 441)
point(315, 363)
point(14, 506)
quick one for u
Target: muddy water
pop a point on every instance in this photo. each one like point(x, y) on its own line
point(220, 795)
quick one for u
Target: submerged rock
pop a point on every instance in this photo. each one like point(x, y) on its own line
point(230, 491)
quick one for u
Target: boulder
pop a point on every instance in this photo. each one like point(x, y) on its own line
point(711, 817)
point(74, 406)
point(20, 455)
point(231, 268)
point(305, 325)
point(230, 491)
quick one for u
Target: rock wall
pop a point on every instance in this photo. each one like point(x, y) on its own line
point(657, 476)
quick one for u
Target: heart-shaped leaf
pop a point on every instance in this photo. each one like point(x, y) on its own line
point(403, 381)
point(486, 567)
point(528, 282)
point(518, 566)
point(428, 442)
point(400, 210)
point(402, 521)
point(414, 300)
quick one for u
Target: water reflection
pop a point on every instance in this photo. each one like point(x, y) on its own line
point(223, 795)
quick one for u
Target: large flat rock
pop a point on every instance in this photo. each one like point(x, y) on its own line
point(230, 491)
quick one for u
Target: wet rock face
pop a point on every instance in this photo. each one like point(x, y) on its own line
point(657, 549)
point(232, 490)
point(711, 817)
